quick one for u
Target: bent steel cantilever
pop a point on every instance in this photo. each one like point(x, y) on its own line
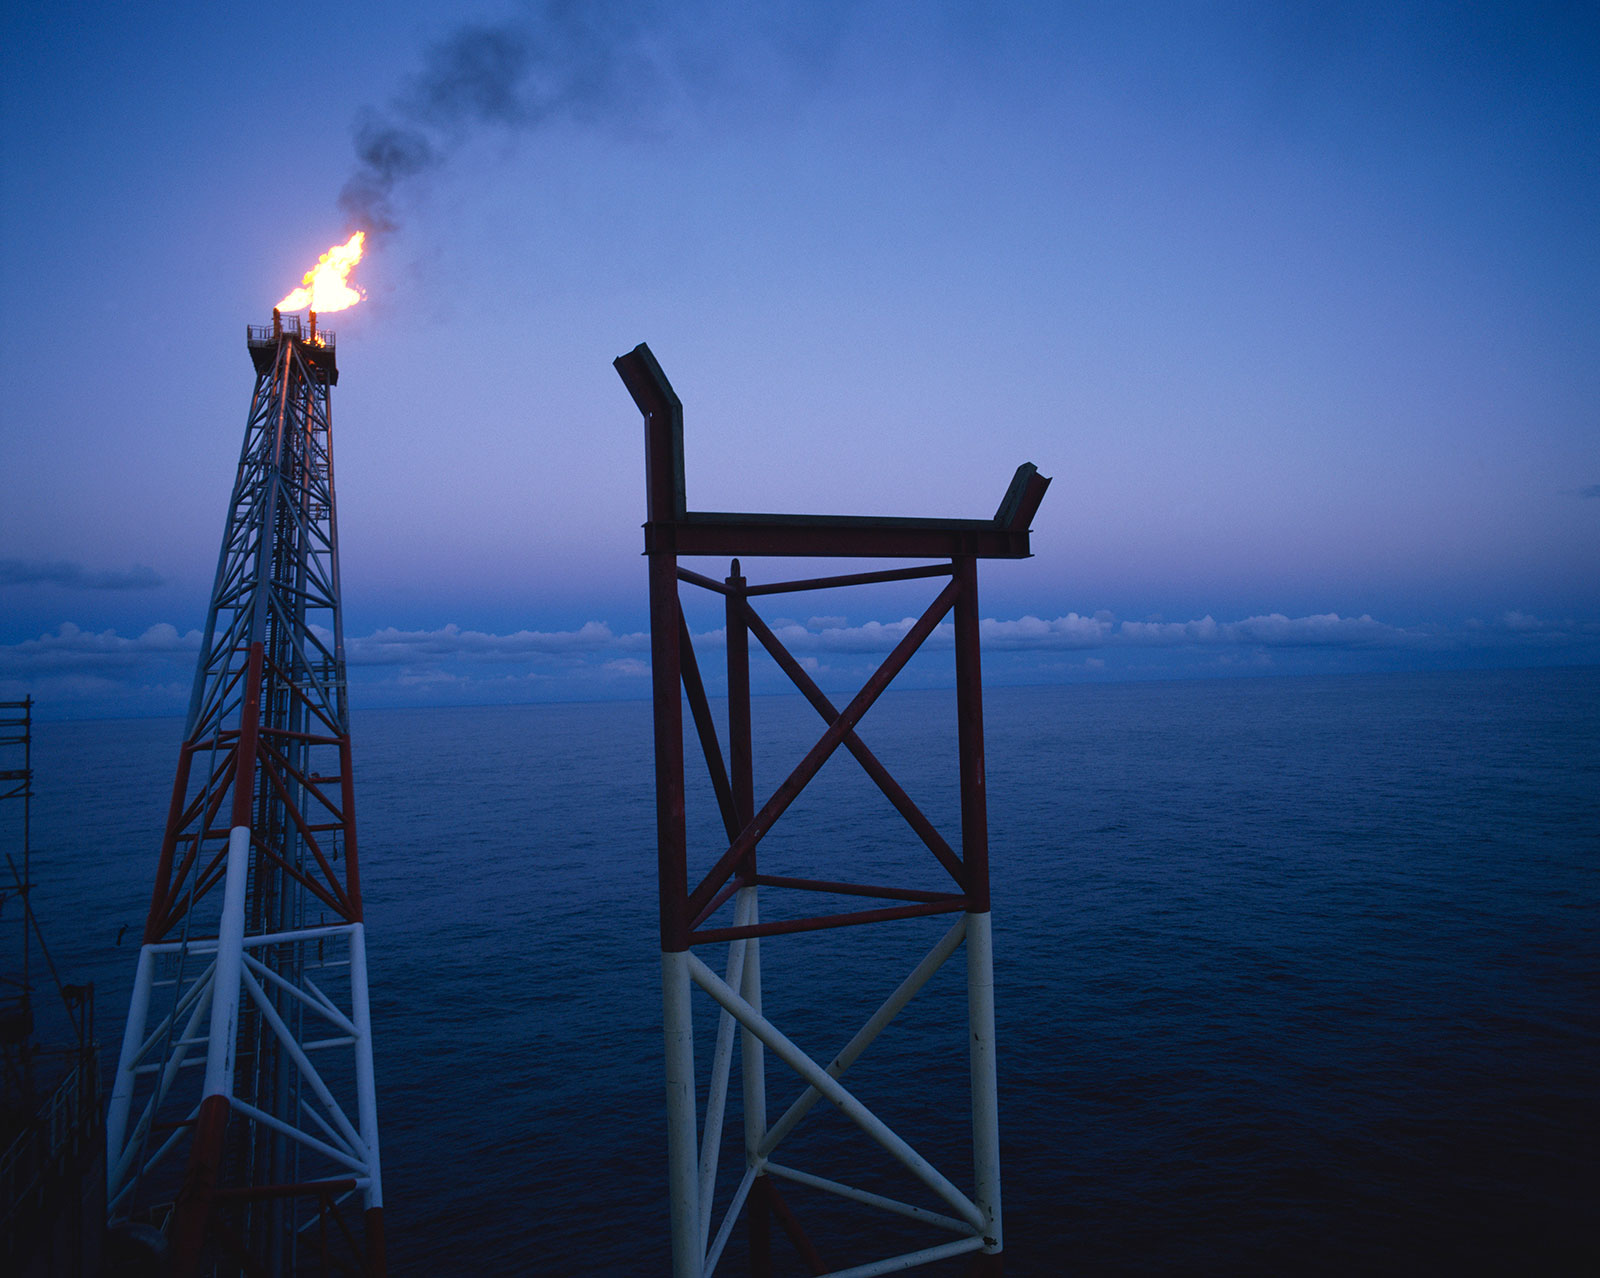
point(672, 527)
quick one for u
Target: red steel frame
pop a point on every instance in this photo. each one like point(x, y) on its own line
point(688, 909)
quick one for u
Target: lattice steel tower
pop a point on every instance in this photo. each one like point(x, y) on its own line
point(243, 1121)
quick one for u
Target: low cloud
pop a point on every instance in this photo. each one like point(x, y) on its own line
point(1274, 630)
point(1075, 631)
point(73, 649)
point(391, 647)
point(81, 671)
point(1516, 626)
point(74, 576)
point(1031, 634)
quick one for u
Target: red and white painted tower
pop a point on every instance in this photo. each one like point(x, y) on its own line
point(729, 896)
point(243, 1121)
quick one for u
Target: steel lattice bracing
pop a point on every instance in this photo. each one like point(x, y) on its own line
point(696, 913)
point(243, 1119)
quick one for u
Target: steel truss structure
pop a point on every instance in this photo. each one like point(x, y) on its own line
point(243, 1118)
point(694, 914)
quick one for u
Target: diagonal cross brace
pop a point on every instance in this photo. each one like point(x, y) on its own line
point(832, 1090)
point(869, 761)
point(823, 750)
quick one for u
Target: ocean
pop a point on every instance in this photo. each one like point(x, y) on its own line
point(1294, 975)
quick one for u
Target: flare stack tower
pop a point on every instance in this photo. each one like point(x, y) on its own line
point(242, 1134)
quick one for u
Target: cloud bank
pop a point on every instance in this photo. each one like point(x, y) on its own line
point(390, 647)
point(108, 674)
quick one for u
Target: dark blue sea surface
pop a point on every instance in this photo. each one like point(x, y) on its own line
point(1293, 975)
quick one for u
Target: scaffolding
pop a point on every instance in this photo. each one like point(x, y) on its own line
point(51, 1173)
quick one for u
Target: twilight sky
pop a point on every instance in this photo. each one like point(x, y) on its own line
point(1296, 303)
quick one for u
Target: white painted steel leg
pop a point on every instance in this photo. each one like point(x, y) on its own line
point(751, 1051)
point(230, 962)
point(683, 1178)
point(985, 1080)
point(717, 1099)
point(752, 1058)
point(366, 1084)
point(132, 1042)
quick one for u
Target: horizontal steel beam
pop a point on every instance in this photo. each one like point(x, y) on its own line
point(835, 537)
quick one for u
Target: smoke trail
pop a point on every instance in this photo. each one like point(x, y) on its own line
point(564, 58)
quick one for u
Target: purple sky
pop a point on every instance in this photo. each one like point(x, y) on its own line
point(1295, 303)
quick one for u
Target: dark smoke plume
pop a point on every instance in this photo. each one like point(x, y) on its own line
point(561, 59)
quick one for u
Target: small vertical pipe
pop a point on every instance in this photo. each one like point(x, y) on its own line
point(683, 1177)
point(741, 762)
point(347, 807)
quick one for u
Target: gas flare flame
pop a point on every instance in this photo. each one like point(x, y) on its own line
point(324, 287)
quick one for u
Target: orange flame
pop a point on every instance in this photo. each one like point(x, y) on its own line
point(324, 287)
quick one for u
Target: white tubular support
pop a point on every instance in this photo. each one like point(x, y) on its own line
point(312, 998)
point(912, 1259)
point(985, 1080)
point(230, 964)
point(256, 940)
point(366, 1082)
point(751, 1058)
point(120, 1160)
point(308, 1071)
point(908, 1210)
point(717, 1096)
point(341, 1156)
point(835, 1093)
point(735, 1206)
point(852, 1050)
point(683, 1178)
point(132, 1042)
